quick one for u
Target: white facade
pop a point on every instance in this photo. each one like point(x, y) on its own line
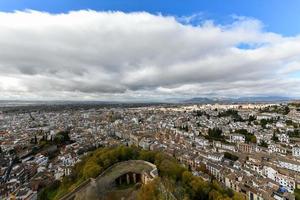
point(280, 125)
point(283, 138)
point(269, 172)
point(237, 138)
point(41, 160)
point(273, 148)
point(202, 142)
point(282, 180)
point(295, 166)
point(215, 156)
point(296, 151)
point(285, 181)
point(264, 116)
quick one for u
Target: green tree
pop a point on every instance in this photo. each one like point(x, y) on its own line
point(91, 169)
point(263, 144)
point(249, 137)
point(172, 175)
point(230, 156)
point(274, 137)
point(251, 118)
point(238, 196)
point(35, 139)
point(297, 194)
point(170, 169)
point(147, 155)
point(215, 134)
point(187, 177)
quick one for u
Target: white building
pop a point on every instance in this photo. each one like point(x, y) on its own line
point(237, 138)
point(296, 151)
point(265, 116)
point(269, 172)
point(280, 125)
point(215, 156)
point(202, 141)
point(41, 160)
point(289, 164)
point(283, 138)
point(283, 180)
point(274, 148)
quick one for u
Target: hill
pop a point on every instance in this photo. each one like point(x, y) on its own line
point(254, 99)
point(174, 179)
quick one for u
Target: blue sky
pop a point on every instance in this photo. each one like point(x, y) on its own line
point(279, 16)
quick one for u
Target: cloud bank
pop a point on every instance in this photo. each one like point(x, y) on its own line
point(114, 55)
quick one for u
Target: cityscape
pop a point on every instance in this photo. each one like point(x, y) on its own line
point(149, 100)
point(253, 149)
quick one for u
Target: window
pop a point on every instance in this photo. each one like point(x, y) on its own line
point(251, 196)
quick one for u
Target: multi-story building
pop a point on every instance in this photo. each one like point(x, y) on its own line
point(236, 138)
point(296, 151)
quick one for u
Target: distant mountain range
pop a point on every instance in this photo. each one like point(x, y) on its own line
point(255, 99)
point(198, 100)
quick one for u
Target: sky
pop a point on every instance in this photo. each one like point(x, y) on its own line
point(148, 50)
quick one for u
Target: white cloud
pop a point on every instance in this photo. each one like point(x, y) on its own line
point(115, 55)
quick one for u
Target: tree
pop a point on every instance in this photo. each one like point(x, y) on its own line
point(263, 123)
point(202, 168)
point(297, 194)
point(61, 138)
point(147, 155)
point(253, 139)
point(174, 179)
point(249, 137)
point(230, 156)
point(274, 137)
point(238, 196)
point(58, 139)
point(35, 139)
point(263, 144)
point(215, 133)
point(251, 118)
point(286, 110)
point(49, 192)
point(171, 169)
point(289, 122)
point(91, 169)
point(149, 191)
point(187, 177)
point(295, 133)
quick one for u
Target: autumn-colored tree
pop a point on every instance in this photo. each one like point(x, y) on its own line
point(187, 177)
point(174, 179)
point(238, 196)
point(171, 169)
point(149, 191)
point(91, 169)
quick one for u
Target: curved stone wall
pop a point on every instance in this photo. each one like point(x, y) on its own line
point(95, 188)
